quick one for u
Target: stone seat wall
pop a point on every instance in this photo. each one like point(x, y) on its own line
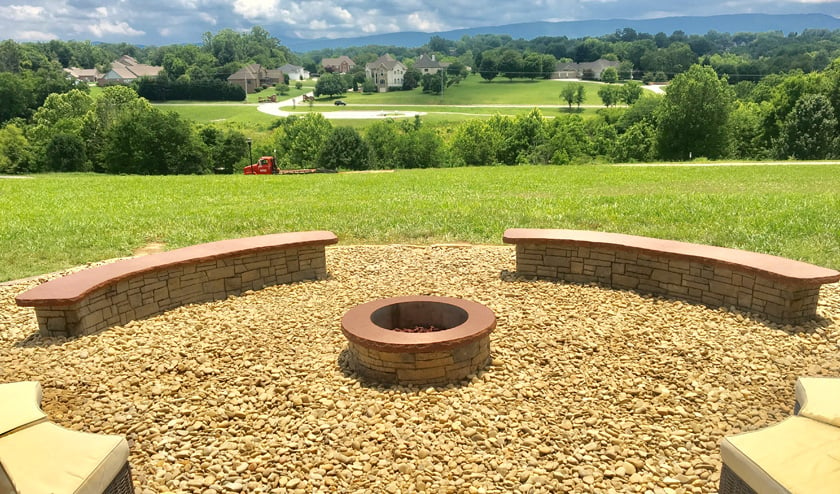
point(100, 297)
point(782, 290)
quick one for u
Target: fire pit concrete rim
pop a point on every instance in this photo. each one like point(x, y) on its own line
point(358, 327)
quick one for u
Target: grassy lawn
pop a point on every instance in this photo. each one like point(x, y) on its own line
point(60, 221)
point(476, 91)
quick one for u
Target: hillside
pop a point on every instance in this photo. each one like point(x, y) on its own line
point(578, 29)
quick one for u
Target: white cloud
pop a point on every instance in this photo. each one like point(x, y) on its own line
point(423, 21)
point(34, 36)
point(22, 13)
point(256, 9)
point(106, 28)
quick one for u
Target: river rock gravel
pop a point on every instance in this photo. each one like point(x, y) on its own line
point(589, 390)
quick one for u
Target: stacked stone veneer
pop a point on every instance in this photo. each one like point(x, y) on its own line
point(142, 287)
point(725, 279)
point(420, 368)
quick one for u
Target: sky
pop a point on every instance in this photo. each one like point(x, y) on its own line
point(164, 22)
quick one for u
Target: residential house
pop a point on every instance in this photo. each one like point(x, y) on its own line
point(386, 73)
point(340, 65)
point(572, 70)
point(255, 76)
point(83, 75)
point(295, 73)
point(428, 65)
point(127, 69)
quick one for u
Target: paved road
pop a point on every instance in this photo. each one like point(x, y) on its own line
point(280, 109)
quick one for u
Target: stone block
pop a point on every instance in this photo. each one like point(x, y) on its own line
point(667, 277)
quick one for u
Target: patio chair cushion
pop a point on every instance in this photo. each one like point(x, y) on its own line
point(795, 455)
point(20, 405)
point(818, 398)
point(46, 457)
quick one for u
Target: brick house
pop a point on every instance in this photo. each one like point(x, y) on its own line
point(340, 65)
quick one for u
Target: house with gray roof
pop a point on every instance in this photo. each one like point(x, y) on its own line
point(386, 73)
point(572, 70)
point(427, 64)
point(255, 76)
point(127, 69)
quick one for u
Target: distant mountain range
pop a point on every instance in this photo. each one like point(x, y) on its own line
point(734, 23)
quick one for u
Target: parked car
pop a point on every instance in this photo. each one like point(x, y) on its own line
point(338, 102)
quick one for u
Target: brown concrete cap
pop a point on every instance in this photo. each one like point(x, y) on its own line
point(75, 286)
point(358, 327)
point(772, 266)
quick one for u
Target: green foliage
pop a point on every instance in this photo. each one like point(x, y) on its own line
point(15, 154)
point(162, 89)
point(299, 140)
point(609, 75)
point(411, 79)
point(637, 144)
point(66, 153)
point(694, 114)
point(631, 91)
point(610, 95)
point(488, 69)
point(475, 143)
point(381, 139)
point(344, 149)
point(148, 141)
point(225, 148)
point(810, 130)
point(330, 85)
point(369, 87)
point(746, 131)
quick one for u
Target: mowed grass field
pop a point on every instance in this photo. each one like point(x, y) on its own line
point(499, 97)
point(57, 221)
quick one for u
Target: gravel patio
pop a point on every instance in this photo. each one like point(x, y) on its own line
point(589, 390)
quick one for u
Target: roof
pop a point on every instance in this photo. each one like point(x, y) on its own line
point(79, 73)
point(427, 62)
point(248, 72)
point(129, 68)
point(597, 66)
point(386, 61)
point(290, 68)
point(336, 62)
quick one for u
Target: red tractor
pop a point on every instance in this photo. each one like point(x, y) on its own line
point(266, 165)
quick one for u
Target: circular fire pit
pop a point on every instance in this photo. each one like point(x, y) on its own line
point(418, 340)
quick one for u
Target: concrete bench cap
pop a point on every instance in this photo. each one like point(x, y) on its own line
point(74, 287)
point(770, 265)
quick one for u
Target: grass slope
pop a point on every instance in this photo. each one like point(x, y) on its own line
point(57, 221)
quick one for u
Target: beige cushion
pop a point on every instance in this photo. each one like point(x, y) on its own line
point(20, 404)
point(795, 455)
point(819, 398)
point(49, 458)
point(6, 485)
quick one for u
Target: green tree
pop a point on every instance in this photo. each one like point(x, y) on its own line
point(475, 143)
point(300, 140)
point(580, 95)
point(66, 153)
point(809, 131)
point(488, 69)
point(610, 95)
point(631, 91)
point(510, 64)
point(369, 86)
point(15, 153)
point(637, 144)
point(609, 75)
point(568, 94)
point(344, 149)
point(330, 85)
point(381, 139)
point(411, 79)
point(693, 115)
point(148, 141)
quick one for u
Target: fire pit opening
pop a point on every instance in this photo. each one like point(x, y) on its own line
point(411, 316)
point(418, 340)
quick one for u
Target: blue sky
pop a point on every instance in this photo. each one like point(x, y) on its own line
point(162, 22)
